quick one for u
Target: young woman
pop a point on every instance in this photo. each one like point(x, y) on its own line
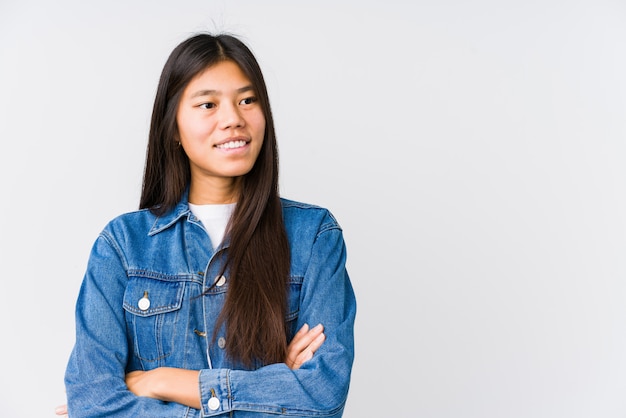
point(199, 304)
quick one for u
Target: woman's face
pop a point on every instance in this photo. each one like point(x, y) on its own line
point(220, 124)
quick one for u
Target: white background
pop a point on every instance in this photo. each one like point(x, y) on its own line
point(473, 152)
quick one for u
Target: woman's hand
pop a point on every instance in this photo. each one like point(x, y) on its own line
point(304, 344)
point(61, 410)
point(167, 384)
point(140, 383)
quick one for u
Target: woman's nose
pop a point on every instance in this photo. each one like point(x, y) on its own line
point(230, 117)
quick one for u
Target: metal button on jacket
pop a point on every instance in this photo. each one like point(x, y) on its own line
point(144, 302)
point(220, 281)
point(221, 342)
point(213, 403)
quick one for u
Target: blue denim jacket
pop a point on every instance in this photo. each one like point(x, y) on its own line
point(141, 306)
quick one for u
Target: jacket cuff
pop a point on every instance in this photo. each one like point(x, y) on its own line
point(215, 393)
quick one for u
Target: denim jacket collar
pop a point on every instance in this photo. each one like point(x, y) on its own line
point(168, 219)
point(179, 211)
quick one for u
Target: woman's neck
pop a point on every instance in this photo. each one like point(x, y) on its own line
point(207, 192)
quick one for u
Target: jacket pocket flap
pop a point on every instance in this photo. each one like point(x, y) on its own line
point(146, 297)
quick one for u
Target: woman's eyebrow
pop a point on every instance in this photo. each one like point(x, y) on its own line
point(200, 93)
point(245, 89)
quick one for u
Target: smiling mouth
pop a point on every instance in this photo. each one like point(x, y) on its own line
point(232, 144)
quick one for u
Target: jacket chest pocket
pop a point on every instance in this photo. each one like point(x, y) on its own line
point(153, 316)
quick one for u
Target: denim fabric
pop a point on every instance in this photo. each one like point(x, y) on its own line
point(168, 261)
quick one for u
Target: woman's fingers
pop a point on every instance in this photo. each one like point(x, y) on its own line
point(317, 342)
point(61, 410)
point(304, 344)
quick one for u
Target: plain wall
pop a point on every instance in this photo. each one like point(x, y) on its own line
point(473, 152)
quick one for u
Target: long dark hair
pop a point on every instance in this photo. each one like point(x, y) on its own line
point(258, 256)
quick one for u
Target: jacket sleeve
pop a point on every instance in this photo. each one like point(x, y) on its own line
point(94, 376)
point(320, 387)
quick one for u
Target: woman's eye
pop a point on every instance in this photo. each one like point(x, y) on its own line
point(207, 105)
point(248, 100)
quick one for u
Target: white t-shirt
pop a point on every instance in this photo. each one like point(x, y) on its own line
point(214, 218)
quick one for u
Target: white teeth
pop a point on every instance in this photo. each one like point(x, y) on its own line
point(232, 144)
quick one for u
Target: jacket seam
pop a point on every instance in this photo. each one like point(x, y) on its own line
point(118, 250)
